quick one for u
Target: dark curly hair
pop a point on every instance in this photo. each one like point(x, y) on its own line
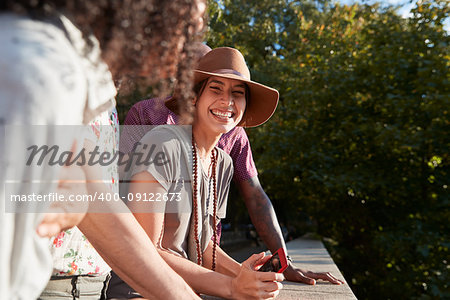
point(152, 37)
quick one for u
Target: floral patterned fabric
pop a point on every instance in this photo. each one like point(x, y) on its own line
point(72, 253)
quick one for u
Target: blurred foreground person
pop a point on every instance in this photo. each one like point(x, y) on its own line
point(52, 58)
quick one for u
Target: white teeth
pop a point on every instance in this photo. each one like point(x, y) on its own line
point(227, 114)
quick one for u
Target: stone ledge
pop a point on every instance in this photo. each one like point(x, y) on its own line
point(312, 255)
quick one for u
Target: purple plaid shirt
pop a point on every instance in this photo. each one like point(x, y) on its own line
point(154, 112)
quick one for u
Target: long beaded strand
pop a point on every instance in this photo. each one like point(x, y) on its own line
point(195, 207)
point(194, 200)
point(213, 174)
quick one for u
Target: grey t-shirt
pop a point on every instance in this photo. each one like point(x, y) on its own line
point(173, 171)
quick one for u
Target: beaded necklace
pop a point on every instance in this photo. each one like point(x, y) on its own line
point(195, 208)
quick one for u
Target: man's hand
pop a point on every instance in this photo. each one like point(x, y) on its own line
point(298, 275)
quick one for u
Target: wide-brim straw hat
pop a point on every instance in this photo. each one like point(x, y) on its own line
point(229, 63)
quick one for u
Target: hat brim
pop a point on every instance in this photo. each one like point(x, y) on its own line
point(262, 103)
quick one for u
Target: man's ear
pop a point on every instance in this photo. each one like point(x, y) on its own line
point(194, 101)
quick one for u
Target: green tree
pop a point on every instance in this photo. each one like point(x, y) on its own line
point(360, 140)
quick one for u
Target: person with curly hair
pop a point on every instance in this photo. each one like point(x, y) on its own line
point(52, 58)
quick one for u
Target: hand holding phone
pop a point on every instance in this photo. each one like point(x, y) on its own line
point(277, 262)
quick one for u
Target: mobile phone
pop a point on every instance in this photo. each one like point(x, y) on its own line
point(277, 262)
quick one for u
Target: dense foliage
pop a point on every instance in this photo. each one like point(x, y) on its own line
point(358, 147)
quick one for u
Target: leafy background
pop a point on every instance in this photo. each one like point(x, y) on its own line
point(357, 151)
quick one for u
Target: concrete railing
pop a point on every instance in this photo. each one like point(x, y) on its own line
point(312, 255)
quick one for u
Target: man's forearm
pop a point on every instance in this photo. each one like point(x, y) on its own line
point(263, 217)
point(262, 213)
point(125, 246)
